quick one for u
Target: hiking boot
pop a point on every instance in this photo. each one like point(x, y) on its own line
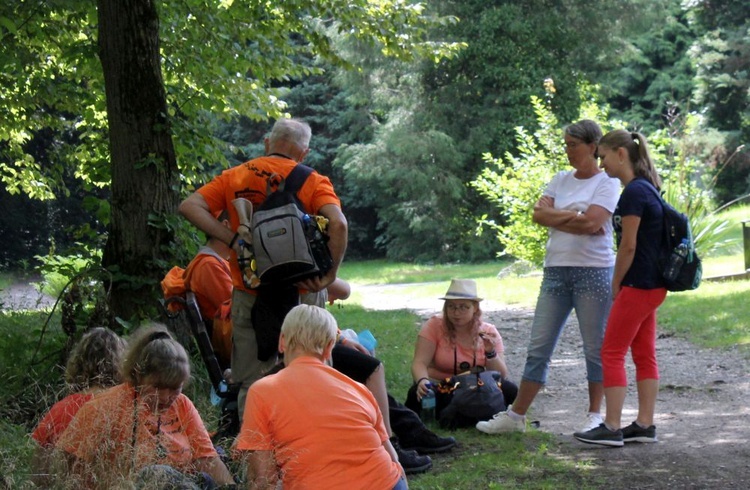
point(636, 433)
point(427, 442)
point(412, 462)
point(593, 420)
point(601, 435)
point(502, 423)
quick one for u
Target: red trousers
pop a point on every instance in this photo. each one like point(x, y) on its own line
point(631, 325)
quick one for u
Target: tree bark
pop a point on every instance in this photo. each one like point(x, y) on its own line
point(143, 163)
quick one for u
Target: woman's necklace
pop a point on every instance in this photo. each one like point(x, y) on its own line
point(161, 451)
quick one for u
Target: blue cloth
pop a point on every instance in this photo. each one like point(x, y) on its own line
point(401, 485)
point(588, 290)
point(164, 477)
point(638, 199)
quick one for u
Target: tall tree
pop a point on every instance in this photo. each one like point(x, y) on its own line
point(722, 59)
point(653, 79)
point(143, 164)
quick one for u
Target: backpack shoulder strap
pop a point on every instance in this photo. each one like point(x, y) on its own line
point(296, 178)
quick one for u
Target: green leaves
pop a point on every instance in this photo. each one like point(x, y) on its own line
point(514, 183)
point(224, 58)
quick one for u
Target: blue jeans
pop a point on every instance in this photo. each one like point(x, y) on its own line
point(588, 291)
point(401, 485)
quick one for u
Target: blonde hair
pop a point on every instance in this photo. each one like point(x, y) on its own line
point(637, 147)
point(95, 360)
point(309, 328)
point(154, 355)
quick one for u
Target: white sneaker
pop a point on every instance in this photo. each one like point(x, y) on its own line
point(593, 420)
point(502, 423)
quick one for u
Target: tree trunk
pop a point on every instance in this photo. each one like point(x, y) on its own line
point(144, 167)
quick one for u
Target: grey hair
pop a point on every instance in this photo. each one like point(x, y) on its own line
point(309, 328)
point(585, 130)
point(292, 131)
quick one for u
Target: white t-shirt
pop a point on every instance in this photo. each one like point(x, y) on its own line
point(569, 250)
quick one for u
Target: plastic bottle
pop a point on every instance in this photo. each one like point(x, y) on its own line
point(428, 405)
point(676, 260)
point(215, 398)
point(368, 340)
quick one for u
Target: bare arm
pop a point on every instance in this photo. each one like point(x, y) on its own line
point(338, 233)
point(392, 453)
point(626, 251)
point(490, 338)
point(498, 364)
point(261, 470)
point(215, 468)
point(589, 222)
point(195, 209)
point(338, 289)
point(424, 352)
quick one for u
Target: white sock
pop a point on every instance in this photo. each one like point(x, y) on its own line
point(516, 416)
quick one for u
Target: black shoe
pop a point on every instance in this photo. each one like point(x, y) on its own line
point(636, 433)
point(412, 462)
point(601, 435)
point(427, 442)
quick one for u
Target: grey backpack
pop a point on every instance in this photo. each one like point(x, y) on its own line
point(287, 243)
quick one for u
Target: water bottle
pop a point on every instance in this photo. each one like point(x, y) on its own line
point(428, 405)
point(368, 340)
point(676, 260)
point(215, 398)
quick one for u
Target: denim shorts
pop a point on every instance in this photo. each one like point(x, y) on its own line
point(588, 291)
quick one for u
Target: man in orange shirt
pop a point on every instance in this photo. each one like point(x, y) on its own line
point(311, 426)
point(286, 147)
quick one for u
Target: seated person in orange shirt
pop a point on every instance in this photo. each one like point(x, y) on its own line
point(310, 426)
point(144, 430)
point(208, 276)
point(93, 365)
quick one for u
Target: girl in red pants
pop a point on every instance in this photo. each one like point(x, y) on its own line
point(637, 289)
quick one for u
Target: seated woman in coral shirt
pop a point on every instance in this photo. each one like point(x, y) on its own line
point(455, 342)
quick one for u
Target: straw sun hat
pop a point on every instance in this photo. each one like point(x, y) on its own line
point(462, 289)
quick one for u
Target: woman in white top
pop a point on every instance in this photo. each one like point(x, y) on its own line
point(577, 208)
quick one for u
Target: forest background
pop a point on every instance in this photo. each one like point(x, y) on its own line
point(434, 120)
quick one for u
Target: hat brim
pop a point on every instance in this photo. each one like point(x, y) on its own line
point(455, 296)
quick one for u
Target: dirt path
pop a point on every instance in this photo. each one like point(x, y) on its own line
point(703, 409)
point(23, 296)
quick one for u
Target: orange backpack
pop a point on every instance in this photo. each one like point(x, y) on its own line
point(173, 285)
